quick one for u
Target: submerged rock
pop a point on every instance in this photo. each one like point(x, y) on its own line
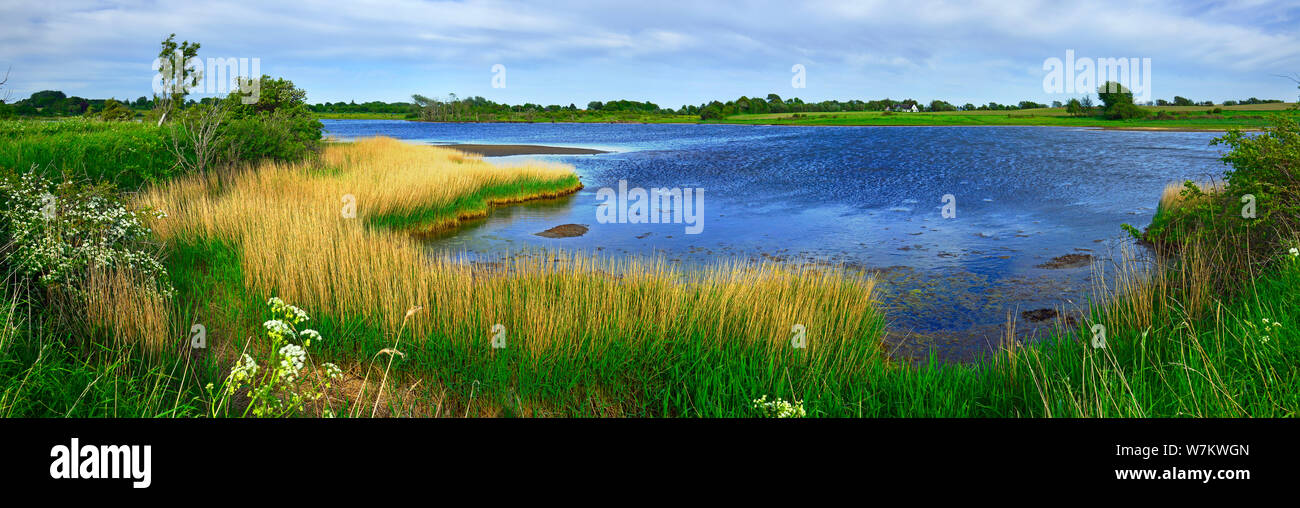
point(1036, 315)
point(564, 231)
point(1068, 261)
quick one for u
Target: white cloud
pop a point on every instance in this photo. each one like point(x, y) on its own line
point(96, 50)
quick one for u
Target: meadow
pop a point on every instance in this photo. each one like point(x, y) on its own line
point(1162, 117)
point(1211, 118)
point(533, 117)
point(258, 254)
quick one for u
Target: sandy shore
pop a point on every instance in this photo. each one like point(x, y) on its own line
point(503, 150)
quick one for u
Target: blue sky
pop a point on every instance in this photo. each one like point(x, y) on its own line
point(671, 53)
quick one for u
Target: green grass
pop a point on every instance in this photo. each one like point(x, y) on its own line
point(128, 154)
point(1179, 118)
point(1192, 118)
point(359, 116)
point(1206, 370)
point(477, 204)
point(51, 370)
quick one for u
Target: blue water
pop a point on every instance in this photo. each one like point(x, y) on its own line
point(869, 198)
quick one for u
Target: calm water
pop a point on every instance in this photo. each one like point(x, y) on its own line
point(866, 197)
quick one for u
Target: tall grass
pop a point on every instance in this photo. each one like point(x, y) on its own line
point(128, 307)
point(1175, 347)
point(49, 369)
point(128, 154)
point(283, 225)
point(1172, 198)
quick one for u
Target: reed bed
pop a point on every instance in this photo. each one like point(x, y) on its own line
point(1172, 198)
point(128, 306)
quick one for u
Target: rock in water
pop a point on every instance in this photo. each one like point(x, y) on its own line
point(564, 231)
point(1068, 261)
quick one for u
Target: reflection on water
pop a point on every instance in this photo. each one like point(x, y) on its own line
point(867, 198)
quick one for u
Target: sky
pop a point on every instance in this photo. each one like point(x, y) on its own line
point(671, 53)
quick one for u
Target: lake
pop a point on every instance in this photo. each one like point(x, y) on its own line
point(867, 198)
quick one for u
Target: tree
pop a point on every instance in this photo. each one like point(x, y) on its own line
point(277, 94)
point(1117, 102)
point(938, 105)
point(46, 98)
point(1182, 101)
point(115, 111)
point(176, 84)
point(1074, 108)
point(713, 111)
point(594, 106)
point(5, 97)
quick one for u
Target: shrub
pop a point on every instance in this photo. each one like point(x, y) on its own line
point(1256, 210)
point(1125, 111)
point(1118, 101)
point(54, 235)
point(1265, 167)
point(279, 125)
point(115, 112)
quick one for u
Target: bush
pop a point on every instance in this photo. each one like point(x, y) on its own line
point(1265, 166)
point(1125, 111)
point(279, 136)
point(1257, 210)
point(278, 126)
point(1118, 102)
point(54, 235)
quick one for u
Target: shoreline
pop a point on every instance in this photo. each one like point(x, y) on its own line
point(486, 150)
point(1089, 127)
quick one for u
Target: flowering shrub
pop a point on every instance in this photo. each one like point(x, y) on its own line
point(779, 408)
point(286, 388)
point(54, 234)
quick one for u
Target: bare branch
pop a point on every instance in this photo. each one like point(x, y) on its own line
point(194, 136)
point(8, 93)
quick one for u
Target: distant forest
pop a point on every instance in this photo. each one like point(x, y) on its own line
point(52, 103)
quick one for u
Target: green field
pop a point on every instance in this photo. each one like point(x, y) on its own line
point(1179, 117)
point(1250, 117)
point(359, 116)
